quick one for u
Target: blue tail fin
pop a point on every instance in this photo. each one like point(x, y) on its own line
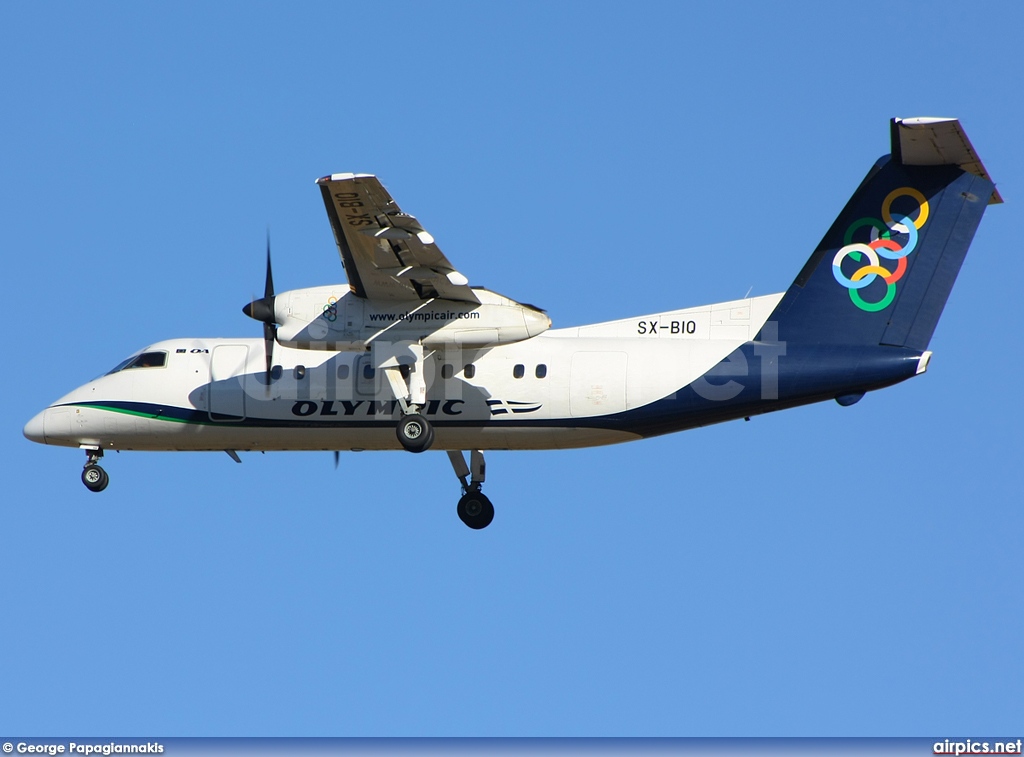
point(883, 272)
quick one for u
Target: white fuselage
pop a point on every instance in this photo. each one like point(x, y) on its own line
point(544, 392)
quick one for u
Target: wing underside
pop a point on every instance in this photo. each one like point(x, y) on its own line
point(386, 253)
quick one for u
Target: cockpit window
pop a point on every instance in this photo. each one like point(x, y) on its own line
point(145, 360)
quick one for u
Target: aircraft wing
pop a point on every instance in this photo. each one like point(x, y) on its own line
point(386, 253)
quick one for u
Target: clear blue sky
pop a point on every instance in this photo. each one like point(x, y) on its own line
point(823, 571)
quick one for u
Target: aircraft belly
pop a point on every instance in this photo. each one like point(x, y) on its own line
point(272, 438)
point(383, 438)
point(566, 437)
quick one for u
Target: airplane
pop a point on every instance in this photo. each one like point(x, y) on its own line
point(409, 356)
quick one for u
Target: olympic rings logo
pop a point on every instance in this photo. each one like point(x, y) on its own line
point(882, 244)
point(331, 309)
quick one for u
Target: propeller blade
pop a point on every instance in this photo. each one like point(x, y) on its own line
point(263, 310)
point(337, 459)
point(268, 288)
point(269, 329)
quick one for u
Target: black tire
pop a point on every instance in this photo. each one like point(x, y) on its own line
point(95, 478)
point(415, 433)
point(475, 510)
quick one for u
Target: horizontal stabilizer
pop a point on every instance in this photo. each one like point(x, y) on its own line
point(937, 142)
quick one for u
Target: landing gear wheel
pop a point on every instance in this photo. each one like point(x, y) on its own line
point(95, 478)
point(475, 510)
point(415, 433)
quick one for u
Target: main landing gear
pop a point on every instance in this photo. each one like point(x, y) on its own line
point(414, 431)
point(474, 509)
point(93, 476)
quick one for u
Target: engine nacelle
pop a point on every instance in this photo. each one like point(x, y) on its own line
point(332, 318)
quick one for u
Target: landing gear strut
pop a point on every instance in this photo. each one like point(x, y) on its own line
point(414, 431)
point(474, 509)
point(93, 476)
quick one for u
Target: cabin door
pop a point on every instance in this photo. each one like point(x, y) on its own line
point(227, 382)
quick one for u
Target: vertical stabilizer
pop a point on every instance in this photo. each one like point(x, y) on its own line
point(884, 270)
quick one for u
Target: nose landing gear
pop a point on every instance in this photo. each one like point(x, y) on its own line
point(93, 476)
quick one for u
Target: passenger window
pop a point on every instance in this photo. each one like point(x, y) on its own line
point(369, 371)
point(469, 371)
point(542, 371)
point(343, 371)
point(519, 371)
point(276, 372)
point(300, 372)
point(447, 371)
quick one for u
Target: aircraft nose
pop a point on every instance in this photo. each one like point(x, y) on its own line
point(35, 429)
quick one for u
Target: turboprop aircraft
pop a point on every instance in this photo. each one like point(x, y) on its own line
point(409, 355)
